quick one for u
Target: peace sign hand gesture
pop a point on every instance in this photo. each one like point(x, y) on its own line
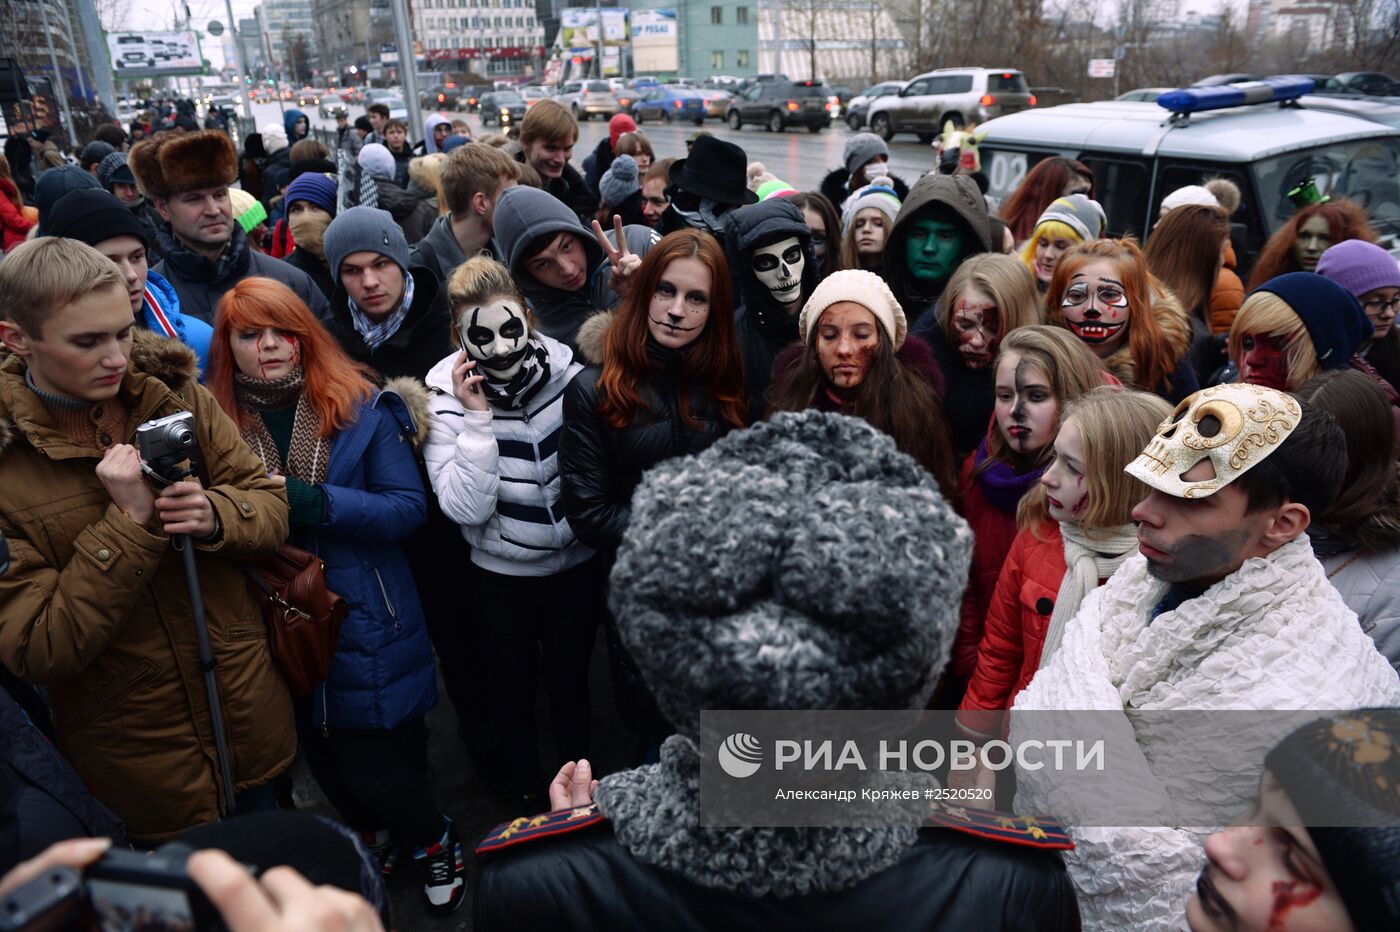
point(622, 260)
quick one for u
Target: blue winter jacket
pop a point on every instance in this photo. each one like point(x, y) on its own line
point(383, 672)
point(160, 311)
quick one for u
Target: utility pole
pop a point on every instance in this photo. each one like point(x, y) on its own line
point(267, 57)
point(408, 66)
point(598, 6)
point(57, 75)
point(242, 62)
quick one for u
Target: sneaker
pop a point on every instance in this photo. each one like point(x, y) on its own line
point(444, 873)
point(383, 848)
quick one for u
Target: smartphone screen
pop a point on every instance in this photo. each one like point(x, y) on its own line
point(129, 907)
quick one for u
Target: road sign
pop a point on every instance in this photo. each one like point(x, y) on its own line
point(1102, 67)
point(215, 28)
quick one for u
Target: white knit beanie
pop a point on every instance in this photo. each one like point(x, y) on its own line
point(274, 137)
point(864, 288)
point(1190, 194)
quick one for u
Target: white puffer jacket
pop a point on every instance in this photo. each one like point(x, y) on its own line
point(496, 473)
point(1274, 635)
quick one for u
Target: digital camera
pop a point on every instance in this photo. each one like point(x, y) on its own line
point(169, 439)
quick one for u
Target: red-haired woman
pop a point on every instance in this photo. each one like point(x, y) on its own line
point(667, 379)
point(1051, 178)
point(1301, 241)
point(341, 446)
point(1103, 293)
point(14, 225)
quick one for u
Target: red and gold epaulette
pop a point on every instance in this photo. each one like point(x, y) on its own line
point(544, 825)
point(1031, 831)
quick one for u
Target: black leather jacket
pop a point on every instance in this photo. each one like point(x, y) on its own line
point(949, 881)
point(600, 465)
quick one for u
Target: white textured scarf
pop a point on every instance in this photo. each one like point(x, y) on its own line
point(1087, 560)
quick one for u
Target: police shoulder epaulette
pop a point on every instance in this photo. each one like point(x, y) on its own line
point(544, 825)
point(1031, 831)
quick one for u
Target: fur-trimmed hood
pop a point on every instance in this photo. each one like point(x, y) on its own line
point(1175, 325)
point(414, 395)
point(592, 337)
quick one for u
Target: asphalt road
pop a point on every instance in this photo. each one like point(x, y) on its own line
point(796, 156)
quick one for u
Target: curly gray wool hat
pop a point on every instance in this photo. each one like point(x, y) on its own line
point(804, 563)
point(619, 181)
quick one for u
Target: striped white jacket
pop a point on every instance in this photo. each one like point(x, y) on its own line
point(496, 473)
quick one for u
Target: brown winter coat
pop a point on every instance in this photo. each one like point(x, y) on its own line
point(95, 607)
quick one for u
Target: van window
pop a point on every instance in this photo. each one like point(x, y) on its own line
point(1127, 208)
point(919, 88)
point(1364, 171)
point(1012, 82)
point(599, 87)
point(813, 90)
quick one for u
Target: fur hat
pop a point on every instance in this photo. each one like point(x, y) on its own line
point(804, 563)
point(1341, 775)
point(864, 288)
point(178, 162)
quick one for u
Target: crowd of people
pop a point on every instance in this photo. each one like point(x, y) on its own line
point(678, 402)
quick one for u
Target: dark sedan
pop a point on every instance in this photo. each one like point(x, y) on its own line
point(503, 108)
point(667, 103)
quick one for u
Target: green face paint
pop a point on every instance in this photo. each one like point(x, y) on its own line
point(932, 247)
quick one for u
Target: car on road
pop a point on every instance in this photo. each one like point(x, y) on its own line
point(503, 108)
point(398, 107)
point(442, 96)
point(331, 107)
point(669, 103)
point(776, 105)
point(1368, 83)
point(469, 98)
point(589, 98)
point(1219, 80)
point(858, 107)
point(307, 97)
point(716, 102)
point(1140, 152)
point(1144, 95)
point(533, 94)
point(965, 96)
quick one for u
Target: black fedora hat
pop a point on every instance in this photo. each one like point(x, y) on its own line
point(716, 169)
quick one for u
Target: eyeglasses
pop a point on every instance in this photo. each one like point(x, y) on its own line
point(1380, 305)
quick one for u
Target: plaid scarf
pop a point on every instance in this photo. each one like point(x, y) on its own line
point(374, 334)
point(308, 457)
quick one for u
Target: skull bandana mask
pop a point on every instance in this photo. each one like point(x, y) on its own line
point(779, 267)
point(1235, 426)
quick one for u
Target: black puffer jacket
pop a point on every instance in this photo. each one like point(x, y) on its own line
point(948, 881)
point(201, 283)
point(600, 465)
point(315, 269)
point(765, 327)
point(411, 213)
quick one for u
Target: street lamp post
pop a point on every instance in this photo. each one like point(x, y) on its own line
point(242, 60)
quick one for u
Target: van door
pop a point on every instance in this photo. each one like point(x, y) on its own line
point(1129, 180)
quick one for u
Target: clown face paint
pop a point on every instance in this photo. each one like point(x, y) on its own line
point(932, 246)
point(1026, 408)
point(680, 307)
point(1066, 494)
point(1264, 361)
point(496, 334)
point(977, 325)
point(1095, 307)
point(848, 336)
point(1314, 236)
point(779, 267)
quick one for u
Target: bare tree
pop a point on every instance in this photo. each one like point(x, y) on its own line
point(112, 14)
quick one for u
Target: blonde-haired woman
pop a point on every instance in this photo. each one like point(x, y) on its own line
point(988, 296)
point(1076, 529)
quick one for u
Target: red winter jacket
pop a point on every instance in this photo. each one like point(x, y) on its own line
point(993, 532)
point(1016, 621)
point(13, 224)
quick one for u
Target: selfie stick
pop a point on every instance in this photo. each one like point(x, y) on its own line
point(181, 542)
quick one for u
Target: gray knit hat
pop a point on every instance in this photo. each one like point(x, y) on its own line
point(861, 148)
point(620, 181)
point(113, 169)
point(364, 229)
point(377, 161)
point(804, 563)
point(1078, 212)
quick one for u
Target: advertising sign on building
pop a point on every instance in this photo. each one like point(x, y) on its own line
point(138, 55)
point(1102, 67)
point(654, 35)
point(578, 27)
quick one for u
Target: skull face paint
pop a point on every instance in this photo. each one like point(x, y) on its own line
point(1264, 361)
point(1095, 307)
point(779, 267)
point(977, 327)
point(1027, 411)
point(496, 334)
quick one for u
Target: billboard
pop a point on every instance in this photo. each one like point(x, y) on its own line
point(578, 28)
point(137, 55)
point(654, 36)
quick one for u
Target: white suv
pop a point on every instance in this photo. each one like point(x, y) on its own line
point(963, 95)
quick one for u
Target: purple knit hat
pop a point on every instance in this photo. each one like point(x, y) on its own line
point(1359, 266)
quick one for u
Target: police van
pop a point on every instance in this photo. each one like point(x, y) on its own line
point(1258, 135)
